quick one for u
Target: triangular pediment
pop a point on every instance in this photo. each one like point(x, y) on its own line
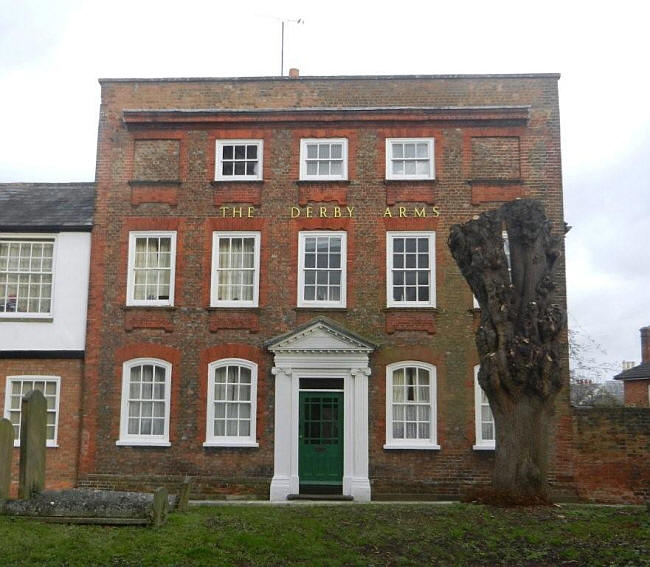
point(320, 335)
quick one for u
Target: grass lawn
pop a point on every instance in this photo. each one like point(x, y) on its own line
point(373, 534)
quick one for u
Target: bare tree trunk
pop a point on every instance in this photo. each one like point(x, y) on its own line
point(519, 338)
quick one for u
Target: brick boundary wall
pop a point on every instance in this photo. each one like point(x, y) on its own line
point(611, 454)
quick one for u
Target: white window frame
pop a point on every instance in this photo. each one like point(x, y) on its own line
point(219, 176)
point(304, 176)
point(127, 439)
point(35, 378)
point(302, 302)
point(212, 440)
point(130, 286)
point(214, 301)
point(390, 238)
point(19, 237)
point(422, 444)
point(480, 443)
point(417, 176)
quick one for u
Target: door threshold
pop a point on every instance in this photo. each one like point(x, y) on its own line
point(332, 497)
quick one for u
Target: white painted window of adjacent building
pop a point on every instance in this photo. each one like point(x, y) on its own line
point(410, 158)
point(152, 261)
point(146, 390)
point(322, 269)
point(235, 269)
point(411, 406)
point(483, 418)
point(410, 267)
point(17, 387)
point(232, 403)
point(323, 159)
point(239, 160)
point(26, 276)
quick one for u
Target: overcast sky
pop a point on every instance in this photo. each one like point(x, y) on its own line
point(53, 51)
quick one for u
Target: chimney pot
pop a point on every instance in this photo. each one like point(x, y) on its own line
point(294, 73)
point(645, 344)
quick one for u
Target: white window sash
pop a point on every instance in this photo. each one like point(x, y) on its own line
point(390, 239)
point(215, 274)
point(421, 444)
point(130, 286)
point(34, 378)
point(390, 158)
point(480, 443)
point(304, 142)
point(131, 439)
point(219, 175)
point(212, 440)
point(17, 238)
point(302, 302)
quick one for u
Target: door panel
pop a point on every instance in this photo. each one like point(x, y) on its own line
point(320, 442)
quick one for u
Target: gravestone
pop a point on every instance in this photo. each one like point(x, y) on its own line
point(6, 450)
point(33, 428)
point(184, 495)
point(160, 507)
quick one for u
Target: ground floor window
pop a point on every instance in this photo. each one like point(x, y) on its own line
point(19, 386)
point(411, 406)
point(232, 396)
point(485, 434)
point(146, 385)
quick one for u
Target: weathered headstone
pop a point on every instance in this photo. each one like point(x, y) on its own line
point(182, 504)
point(33, 428)
point(160, 506)
point(6, 449)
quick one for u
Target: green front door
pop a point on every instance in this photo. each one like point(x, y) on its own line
point(320, 440)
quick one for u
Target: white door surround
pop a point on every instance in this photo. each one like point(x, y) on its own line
point(321, 349)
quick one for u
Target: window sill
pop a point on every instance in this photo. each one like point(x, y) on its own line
point(411, 447)
point(393, 308)
point(48, 445)
point(251, 444)
point(6, 318)
point(483, 447)
point(136, 443)
point(248, 308)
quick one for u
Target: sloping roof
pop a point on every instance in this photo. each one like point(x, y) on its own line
point(43, 207)
point(638, 372)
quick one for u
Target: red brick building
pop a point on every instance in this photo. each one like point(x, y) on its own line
point(636, 380)
point(273, 306)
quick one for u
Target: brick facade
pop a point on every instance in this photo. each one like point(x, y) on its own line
point(61, 462)
point(496, 138)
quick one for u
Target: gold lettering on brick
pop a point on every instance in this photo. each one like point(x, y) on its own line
point(295, 212)
point(402, 212)
point(337, 212)
point(350, 211)
point(251, 210)
point(322, 212)
point(388, 213)
point(419, 212)
point(236, 212)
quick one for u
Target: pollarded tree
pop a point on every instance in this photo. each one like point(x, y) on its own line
point(519, 339)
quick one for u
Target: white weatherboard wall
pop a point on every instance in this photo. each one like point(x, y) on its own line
point(66, 330)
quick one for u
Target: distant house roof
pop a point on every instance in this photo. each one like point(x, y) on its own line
point(46, 207)
point(638, 372)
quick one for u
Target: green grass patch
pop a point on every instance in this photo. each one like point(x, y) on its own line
point(368, 535)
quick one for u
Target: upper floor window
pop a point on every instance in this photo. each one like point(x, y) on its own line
point(144, 418)
point(321, 269)
point(26, 272)
point(235, 269)
point(411, 406)
point(409, 158)
point(323, 159)
point(232, 400)
point(410, 269)
point(152, 260)
point(239, 160)
point(17, 387)
point(484, 420)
